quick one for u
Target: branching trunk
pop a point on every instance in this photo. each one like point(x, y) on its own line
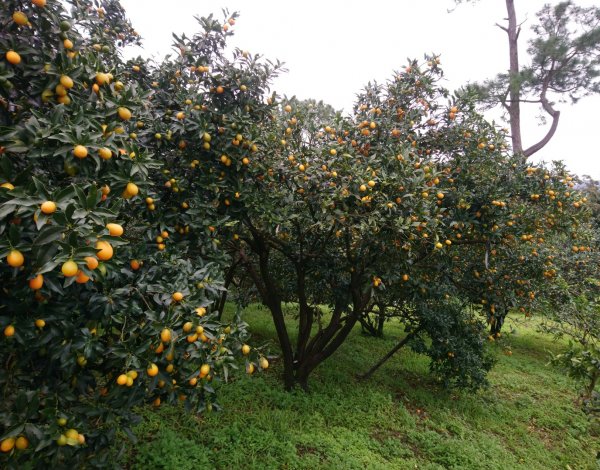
point(514, 106)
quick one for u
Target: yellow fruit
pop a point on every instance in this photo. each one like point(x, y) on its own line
point(133, 374)
point(20, 18)
point(180, 116)
point(80, 151)
point(62, 440)
point(9, 331)
point(115, 230)
point(37, 282)
point(245, 349)
point(177, 296)
point(69, 268)
point(132, 189)
point(105, 153)
point(7, 444)
point(152, 370)
point(264, 364)
point(68, 44)
point(22, 443)
point(124, 114)
point(8, 186)
point(122, 379)
point(13, 58)
point(48, 207)
point(187, 326)
point(66, 82)
point(165, 335)
point(201, 311)
point(204, 370)
point(91, 262)
point(40, 323)
point(15, 258)
point(105, 250)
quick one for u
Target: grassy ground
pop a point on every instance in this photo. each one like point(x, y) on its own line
point(527, 419)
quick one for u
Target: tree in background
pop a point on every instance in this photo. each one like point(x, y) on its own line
point(564, 66)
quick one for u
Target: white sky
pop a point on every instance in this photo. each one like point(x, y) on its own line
point(332, 48)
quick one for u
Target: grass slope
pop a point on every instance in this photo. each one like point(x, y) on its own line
point(398, 420)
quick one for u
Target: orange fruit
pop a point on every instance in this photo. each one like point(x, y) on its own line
point(106, 250)
point(9, 331)
point(91, 262)
point(152, 370)
point(68, 44)
point(122, 379)
point(132, 189)
point(15, 258)
point(37, 282)
point(124, 114)
point(115, 230)
point(40, 323)
point(165, 335)
point(264, 364)
point(245, 349)
point(7, 185)
point(105, 153)
point(22, 443)
point(177, 296)
point(39, 3)
point(82, 277)
point(66, 81)
point(48, 207)
point(80, 151)
point(20, 18)
point(7, 444)
point(13, 58)
point(204, 370)
point(69, 268)
point(135, 264)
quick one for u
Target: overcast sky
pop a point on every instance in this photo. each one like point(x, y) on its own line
point(332, 48)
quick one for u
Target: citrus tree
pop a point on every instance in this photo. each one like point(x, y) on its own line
point(109, 271)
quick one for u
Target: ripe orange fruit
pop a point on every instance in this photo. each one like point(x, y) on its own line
point(115, 230)
point(91, 262)
point(9, 331)
point(152, 370)
point(22, 443)
point(165, 335)
point(105, 153)
point(220, 89)
point(124, 114)
point(135, 264)
point(131, 189)
point(82, 277)
point(66, 81)
point(37, 282)
point(180, 115)
point(177, 296)
point(13, 58)
point(40, 323)
point(80, 151)
point(245, 349)
point(264, 364)
point(69, 268)
point(122, 379)
point(48, 207)
point(15, 259)
point(68, 44)
point(106, 250)
point(39, 3)
point(20, 18)
point(204, 370)
point(7, 444)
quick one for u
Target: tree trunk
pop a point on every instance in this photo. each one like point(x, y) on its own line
point(228, 279)
point(514, 107)
point(392, 351)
